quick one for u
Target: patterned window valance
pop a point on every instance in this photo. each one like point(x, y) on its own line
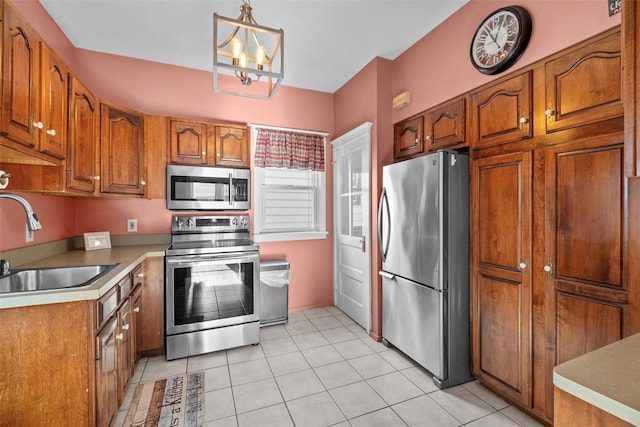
point(286, 149)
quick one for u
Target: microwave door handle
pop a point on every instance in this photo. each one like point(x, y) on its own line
point(231, 188)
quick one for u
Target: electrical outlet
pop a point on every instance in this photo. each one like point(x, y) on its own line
point(132, 225)
point(28, 234)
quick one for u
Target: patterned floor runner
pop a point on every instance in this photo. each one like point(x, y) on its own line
point(173, 402)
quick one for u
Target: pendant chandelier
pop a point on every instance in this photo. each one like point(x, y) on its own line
point(247, 57)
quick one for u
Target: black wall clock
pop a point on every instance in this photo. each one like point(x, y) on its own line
point(500, 39)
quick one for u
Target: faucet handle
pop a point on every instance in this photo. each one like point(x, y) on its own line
point(4, 267)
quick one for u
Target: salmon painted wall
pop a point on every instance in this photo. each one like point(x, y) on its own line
point(368, 98)
point(438, 68)
point(165, 90)
point(435, 69)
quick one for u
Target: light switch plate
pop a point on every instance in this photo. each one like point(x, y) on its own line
point(98, 240)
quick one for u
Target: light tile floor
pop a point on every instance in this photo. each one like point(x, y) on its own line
point(322, 369)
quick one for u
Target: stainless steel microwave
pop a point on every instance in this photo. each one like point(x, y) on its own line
point(204, 188)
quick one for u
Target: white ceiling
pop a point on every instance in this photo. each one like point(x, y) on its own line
point(326, 42)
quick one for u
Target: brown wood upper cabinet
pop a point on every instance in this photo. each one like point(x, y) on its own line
point(501, 113)
point(408, 138)
point(84, 128)
point(444, 126)
point(584, 85)
point(34, 92)
point(122, 151)
point(232, 146)
point(194, 142)
point(188, 141)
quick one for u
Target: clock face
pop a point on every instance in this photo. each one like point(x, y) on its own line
point(500, 39)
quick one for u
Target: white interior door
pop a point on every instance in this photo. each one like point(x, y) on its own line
point(351, 219)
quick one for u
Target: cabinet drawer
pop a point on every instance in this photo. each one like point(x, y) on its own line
point(125, 286)
point(107, 305)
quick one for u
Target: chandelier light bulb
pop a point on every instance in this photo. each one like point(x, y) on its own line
point(243, 60)
point(236, 47)
point(260, 55)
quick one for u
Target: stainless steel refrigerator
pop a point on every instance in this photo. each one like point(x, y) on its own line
point(423, 232)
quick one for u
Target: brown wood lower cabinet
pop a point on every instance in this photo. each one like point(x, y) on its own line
point(152, 318)
point(571, 411)
point(70, 363)
point(501, 277)
point(547, 276)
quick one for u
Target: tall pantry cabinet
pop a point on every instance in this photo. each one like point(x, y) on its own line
point(548, 208)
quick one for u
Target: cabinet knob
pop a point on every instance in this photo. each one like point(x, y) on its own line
point(522, 265)
point(524, 120)
point(136, 309)
point(548, 268)
point(125, 327)
point(96, 178)
point(143, 182)
point(120, 336)
point(141, 275)
point(418, 141)
point(51, 132)
point(217, 154)
point(549, 112)
point(204, 153)
point(428, 138)
point(38, 125)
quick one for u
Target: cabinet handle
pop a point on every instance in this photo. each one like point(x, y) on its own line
point(38, 125)
point(125, 326)
point(524, 120)
point(523, 265)
point(51, 132)
point(136, 309)
point(120, 336)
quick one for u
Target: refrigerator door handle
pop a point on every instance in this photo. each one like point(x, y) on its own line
point(384, 246)
point(387, 275)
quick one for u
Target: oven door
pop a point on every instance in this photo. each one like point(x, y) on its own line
point(211, 291)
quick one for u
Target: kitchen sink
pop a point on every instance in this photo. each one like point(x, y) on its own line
point(50, 278)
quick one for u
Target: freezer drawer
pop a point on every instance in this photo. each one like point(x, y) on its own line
point(412, 320)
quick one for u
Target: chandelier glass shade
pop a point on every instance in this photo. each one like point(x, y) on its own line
point(251, 53)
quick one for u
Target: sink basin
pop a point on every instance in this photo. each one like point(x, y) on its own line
point(41, 279)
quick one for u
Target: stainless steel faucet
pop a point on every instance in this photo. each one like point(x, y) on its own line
point(32, 219)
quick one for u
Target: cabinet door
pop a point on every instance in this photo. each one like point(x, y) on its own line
point(585, 85)
point(232, 146)
point(501, 273)
point(20, 83)
point(153, 296)
point(82, 154)
point(53, 104)
point(125, 347)
point(445, 126)
point(408, 138)
point(121, 152)
point(136, 322)
point(501, 113)
point(579, 294)
point(188, 142)
point(106, 374)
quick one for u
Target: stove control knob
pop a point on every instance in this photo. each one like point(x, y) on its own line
point(179, 222)
point(243, 221)
point(190, 222)
point(234, 222)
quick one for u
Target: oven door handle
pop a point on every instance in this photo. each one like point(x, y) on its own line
point(209, 257)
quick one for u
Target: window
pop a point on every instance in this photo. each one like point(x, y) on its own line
point(289, 203)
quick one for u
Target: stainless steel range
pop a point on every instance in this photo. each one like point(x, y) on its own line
point(212, 285)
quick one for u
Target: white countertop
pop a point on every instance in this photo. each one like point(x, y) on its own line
point(607, 378)
point(127, 256)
